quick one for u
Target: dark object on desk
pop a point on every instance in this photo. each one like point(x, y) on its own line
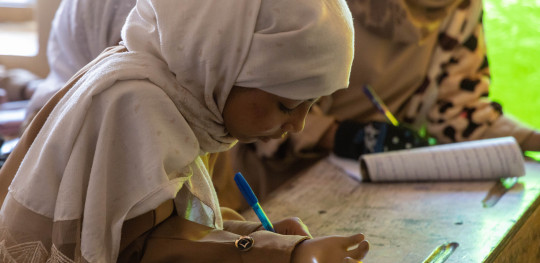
point(2, 160)
point(6, 147)
point(354, 138)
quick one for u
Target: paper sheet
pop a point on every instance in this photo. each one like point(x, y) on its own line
point(474, 160)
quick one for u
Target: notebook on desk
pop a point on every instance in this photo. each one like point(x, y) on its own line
point(474, 160)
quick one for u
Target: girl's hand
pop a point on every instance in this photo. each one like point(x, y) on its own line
point(290, 226)
point(331, 249)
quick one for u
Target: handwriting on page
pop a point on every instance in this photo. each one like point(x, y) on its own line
point(474, 160)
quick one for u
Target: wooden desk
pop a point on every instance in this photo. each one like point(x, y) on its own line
point(405, 222)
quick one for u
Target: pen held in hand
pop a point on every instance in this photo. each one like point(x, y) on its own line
point(370, 93)
point(252, 200)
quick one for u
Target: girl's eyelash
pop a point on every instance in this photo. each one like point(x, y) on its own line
point(284, 109)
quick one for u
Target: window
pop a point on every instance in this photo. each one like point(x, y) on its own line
point(16, 3)
point(18, 28)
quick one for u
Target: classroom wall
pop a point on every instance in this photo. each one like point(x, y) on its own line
point(43, 13)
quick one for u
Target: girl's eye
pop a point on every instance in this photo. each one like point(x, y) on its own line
point(285, 109)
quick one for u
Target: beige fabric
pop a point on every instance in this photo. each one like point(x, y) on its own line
point(16, 216)
point(179, 240)
point(9, 169)
point(220, 167)
point(134, 228)
point(393, 67)
point(77, 128)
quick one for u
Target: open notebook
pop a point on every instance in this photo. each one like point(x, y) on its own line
point(474, 160)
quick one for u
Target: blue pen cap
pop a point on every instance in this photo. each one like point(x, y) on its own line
point(245, 189)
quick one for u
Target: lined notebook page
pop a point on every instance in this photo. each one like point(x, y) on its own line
point(474, 160)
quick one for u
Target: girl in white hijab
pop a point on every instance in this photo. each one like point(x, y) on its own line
point(131, 130)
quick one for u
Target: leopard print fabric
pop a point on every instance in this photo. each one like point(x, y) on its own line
point(453, 96)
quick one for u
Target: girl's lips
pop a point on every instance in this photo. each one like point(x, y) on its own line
point(281, 136)
point(275, 137)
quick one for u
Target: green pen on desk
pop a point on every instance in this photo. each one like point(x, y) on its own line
point(252, 200)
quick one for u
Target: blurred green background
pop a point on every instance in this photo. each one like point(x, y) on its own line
point(512, 29)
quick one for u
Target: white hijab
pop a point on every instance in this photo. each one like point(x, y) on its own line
point(195, 51)
point(297, 49)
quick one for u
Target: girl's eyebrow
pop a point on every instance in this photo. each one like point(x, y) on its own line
point(313, 100)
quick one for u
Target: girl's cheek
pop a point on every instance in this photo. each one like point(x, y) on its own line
point(270, 124)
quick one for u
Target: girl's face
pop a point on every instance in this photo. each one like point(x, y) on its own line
point(251, 114)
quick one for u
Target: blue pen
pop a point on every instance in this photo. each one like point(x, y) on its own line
point(252, 200)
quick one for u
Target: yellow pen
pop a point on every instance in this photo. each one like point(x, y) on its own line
point(380, 105)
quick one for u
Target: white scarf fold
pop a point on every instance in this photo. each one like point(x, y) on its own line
point(62, 179)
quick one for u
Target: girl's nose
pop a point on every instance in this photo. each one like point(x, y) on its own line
point(296, 122)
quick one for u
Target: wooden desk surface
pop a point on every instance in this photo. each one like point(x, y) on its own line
point(405, 222)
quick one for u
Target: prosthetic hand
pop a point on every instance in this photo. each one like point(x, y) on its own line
point(331, 249)
point(353, 139)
